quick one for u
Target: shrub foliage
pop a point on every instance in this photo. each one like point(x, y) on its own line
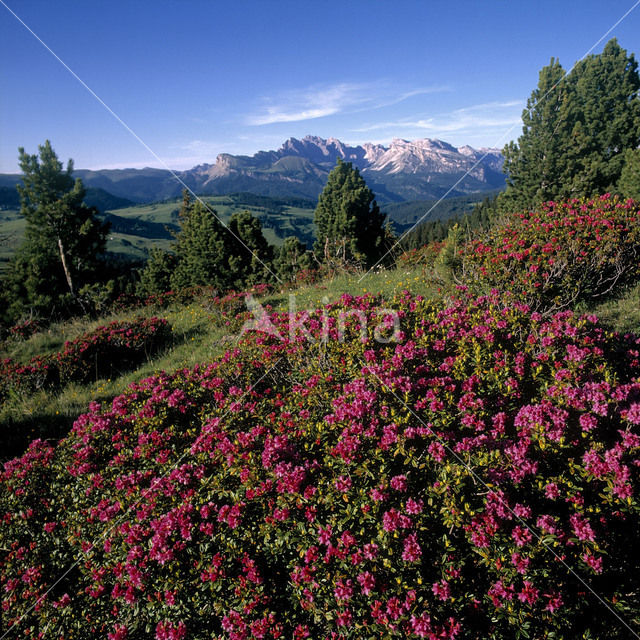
point(103, 352)
point(474, 477)
point(559, 254)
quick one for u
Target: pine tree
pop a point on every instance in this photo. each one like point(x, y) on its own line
point(156, 275)
point(64, 239)
point(449, 261)
point(252, 255)
point(202, 249)
point(291, 258)
point(576, 130)
point(205, 253)
point(629, 185)
point(533, 164)
point(350, 227)
point(606, 113)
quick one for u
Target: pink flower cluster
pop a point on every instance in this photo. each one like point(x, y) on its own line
point(427, 488)
point(561, 253)
point(121, 344)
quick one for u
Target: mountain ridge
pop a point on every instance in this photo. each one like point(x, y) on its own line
point(403, 170)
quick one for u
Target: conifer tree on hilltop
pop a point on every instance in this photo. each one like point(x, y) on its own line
point(577, 128)
point(201, 248)
point(64, 239)
point(290, 258)
point(350, 227)
point(205, 253)
point(252, 258)
point(533, 163)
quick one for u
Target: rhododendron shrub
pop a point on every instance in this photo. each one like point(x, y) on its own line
point(24, 329)
point(563, 253)
point(477, 478)
point(117, 346)
point(424, 256)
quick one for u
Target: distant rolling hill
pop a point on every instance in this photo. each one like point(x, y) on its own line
point(95, 197)
point(136, 228)
point(418, 211)
point(404, 170)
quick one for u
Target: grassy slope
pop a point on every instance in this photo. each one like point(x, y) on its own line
point(291, 220)
point(198, 338)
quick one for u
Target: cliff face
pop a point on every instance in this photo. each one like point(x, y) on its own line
point(404, 170)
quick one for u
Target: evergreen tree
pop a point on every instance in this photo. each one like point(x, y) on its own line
point(205, 253)
point(448, 263)
point(533, 164)
point(156, 275)
point(629, 185)
point(350, 227)
point(202, 249)
point(576, 130)
point(290, 258)
point(252, 255)
point(64, 239)
point(606, 116)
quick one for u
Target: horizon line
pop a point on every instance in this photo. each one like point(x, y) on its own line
point(197, 163)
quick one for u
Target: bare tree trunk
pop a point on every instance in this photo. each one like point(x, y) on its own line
point(67, 273)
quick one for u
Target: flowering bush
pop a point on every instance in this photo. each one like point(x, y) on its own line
point(477, 478)
point(423, 256)
point(226, 311)
point(117, 346)
point(561, 254)
point(24, 329)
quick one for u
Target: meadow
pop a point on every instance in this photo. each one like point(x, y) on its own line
point(139, 228)
point(406, 458)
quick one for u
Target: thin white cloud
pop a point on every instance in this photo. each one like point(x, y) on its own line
point(241, 144)
point(480, 118)
point(202, 147)
point(320, 101)
point(177, 163)
point(486, 106)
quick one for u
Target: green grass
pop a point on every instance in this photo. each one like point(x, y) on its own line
point(386, 283)
point(198, 337)
point(11, 233)
point(621, 313)
point(278, 223)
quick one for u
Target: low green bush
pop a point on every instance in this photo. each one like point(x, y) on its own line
point(471, 473)
point(559, 255)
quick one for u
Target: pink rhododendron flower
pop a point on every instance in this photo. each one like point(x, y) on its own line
point(441, 590)
point(412, 550)
point(367, 582)
point(582, 527)
point(399, 483)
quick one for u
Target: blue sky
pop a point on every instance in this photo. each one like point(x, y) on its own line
point(193, 79)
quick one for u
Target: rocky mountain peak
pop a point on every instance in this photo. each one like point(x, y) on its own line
point(402, 170)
